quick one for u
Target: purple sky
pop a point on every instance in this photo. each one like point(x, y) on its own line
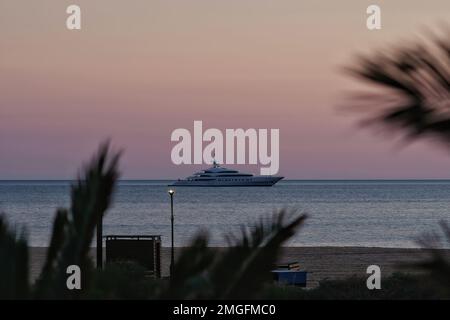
point(140, 69)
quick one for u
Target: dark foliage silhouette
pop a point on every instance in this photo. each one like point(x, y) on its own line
point(72, 235)
point(413, 88)
point(413, 97)
point(238, 271)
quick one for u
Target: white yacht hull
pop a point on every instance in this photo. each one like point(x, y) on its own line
point(261, 181)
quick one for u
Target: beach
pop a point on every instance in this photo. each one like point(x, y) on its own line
point(323, 263)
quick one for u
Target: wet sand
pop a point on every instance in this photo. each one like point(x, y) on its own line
point(323, 262)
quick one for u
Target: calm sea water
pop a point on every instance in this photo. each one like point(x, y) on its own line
point(342, 213)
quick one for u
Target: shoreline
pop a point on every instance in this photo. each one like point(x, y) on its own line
point(332, 263)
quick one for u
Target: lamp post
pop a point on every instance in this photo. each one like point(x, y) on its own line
point(172, 257)
point(100, 242)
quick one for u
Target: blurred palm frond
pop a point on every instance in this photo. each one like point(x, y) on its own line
point(438, 264)
point(238, 271)
point(73, 229)
point(415, 89)
point(413, 97)
point(14, 281)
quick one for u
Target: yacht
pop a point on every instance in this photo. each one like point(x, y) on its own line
point(218, 176)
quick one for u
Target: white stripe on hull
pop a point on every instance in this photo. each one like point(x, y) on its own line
point(223, 182)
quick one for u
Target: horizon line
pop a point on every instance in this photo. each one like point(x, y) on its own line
point(300, 179)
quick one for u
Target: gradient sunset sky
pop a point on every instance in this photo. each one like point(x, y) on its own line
point(140, 69)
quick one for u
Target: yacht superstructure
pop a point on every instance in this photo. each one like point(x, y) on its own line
point(218, 176)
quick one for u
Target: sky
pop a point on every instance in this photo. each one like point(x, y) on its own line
point(137, 70)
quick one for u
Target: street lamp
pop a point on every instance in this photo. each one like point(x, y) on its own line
point(172, 259)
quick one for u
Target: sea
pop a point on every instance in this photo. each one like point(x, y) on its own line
point(372, 213)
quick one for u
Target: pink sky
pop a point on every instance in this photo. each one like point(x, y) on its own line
point(140, 69)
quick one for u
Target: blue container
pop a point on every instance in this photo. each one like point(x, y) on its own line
point(291, 277)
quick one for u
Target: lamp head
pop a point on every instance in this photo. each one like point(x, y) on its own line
point(171, 191)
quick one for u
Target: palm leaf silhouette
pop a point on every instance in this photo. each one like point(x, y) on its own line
point(71, 236)
point(73, 229)
point(254, 255)
point(14, 282)
point(236, 272)
point(416, 79)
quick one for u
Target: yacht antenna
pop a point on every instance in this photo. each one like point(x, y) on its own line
point(214, 160)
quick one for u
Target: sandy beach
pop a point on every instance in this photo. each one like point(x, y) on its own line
point(323, 262)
